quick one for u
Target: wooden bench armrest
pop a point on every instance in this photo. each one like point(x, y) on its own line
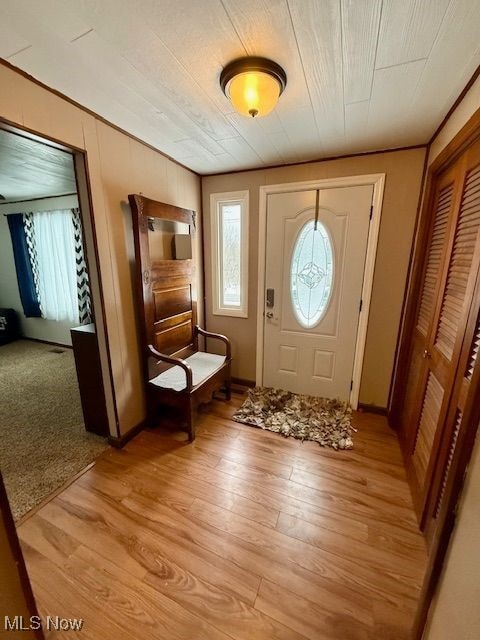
point(176, 361)
point(216, 336)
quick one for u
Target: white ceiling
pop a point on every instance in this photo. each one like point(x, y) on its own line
point(362, 74)
point(29, 169)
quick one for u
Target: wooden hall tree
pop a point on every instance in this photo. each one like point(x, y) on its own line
point(178, 375)
point(437, 359)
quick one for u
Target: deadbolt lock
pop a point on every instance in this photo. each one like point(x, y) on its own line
point(270, 301)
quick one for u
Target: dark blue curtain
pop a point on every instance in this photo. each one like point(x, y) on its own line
point(26, 284)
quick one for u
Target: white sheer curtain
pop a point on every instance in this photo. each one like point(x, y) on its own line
point(55, 246)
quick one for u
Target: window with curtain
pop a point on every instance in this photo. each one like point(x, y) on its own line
point(57, 274)
point(52, 264)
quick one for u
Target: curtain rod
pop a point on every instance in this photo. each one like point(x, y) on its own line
point(62, 195)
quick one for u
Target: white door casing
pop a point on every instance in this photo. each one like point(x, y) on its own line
point(322, 356)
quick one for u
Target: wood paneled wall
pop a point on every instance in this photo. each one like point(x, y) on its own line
point(403, 171)
point(117, 165)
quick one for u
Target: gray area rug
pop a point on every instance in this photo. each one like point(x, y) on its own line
point(325, 421)
point(43, 442)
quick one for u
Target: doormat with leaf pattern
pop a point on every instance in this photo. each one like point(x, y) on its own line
point(326, 421)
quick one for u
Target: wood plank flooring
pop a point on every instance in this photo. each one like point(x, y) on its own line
point(242, 535)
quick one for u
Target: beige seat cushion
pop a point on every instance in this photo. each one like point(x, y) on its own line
point(202, 364)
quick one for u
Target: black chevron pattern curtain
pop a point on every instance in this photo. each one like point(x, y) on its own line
point(83, 284)
point(32, 253)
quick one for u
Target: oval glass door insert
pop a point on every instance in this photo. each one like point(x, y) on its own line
point(311, 274)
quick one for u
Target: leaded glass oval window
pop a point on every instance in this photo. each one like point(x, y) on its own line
point(311, 274)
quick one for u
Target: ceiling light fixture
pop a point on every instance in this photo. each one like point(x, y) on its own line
point(253, 85)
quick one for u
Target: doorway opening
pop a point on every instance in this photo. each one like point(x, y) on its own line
point(57, 403)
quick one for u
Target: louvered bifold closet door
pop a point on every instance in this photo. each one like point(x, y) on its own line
point(463, 403)
point(437, 245)
point(459, 328)
point(446, 332)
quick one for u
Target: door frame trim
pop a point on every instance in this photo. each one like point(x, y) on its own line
point(85, 201)
point(377, 180)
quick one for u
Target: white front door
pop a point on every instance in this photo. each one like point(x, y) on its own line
point(313, 286)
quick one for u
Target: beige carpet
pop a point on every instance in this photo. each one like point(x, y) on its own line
point(43, 442)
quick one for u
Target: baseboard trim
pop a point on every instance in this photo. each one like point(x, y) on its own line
point(53, 344)
point(372, 408)
point(243, 382)
point(120, 441)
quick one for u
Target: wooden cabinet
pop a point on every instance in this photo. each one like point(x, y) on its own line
point(444, 337)
point(90, 380)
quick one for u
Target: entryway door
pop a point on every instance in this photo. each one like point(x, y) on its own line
point(315, 260)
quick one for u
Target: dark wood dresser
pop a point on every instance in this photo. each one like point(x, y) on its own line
point(90, 381)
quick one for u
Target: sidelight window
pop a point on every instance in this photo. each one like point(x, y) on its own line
point(229, 217)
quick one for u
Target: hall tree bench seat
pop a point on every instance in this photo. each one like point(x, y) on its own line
point(189, 382)
point(188, 373)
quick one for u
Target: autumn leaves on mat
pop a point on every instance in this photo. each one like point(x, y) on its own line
point(325, 421)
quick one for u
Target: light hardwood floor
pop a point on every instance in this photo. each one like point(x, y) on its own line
point(241, 535)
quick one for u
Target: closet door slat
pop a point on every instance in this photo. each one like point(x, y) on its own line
point(434, 259)
point(432, 404)
point(459, 269)
point(446, 470)
point(473, 354)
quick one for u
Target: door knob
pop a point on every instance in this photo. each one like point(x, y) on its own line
point(269, 314)
point(427, 354)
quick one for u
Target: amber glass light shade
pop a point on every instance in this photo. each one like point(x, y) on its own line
point(253, 85)
point(254, 93)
